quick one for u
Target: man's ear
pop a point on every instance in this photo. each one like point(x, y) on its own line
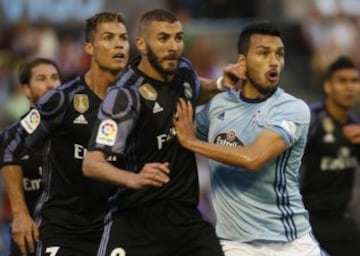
point(327, 87)
point(242, 60)
point(88, 48)
point(141, 45)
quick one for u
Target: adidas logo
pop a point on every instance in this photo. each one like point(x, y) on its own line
point(25, 157)
point(221, 116)
point(157, 108)
point(80, 120)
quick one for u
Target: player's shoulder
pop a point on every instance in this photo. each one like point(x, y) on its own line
point(288, 103)
point(129, 80)
point(58, 98)
point(223, 99)
point(185, 63)
point(185, 66)
point(317, 107)
point(291, 100)
point(124, 94)
point(318, 110)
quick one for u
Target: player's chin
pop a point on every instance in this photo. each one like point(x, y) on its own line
point(118, 66)
point(170, 69)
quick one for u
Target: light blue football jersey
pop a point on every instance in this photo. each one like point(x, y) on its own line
point(262, 206)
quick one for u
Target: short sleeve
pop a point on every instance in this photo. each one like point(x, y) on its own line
point(290, 120)
point(116, 118)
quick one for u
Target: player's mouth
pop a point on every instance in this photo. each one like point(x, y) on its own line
point(273, 76)
point(172, 57)
point(119, 57)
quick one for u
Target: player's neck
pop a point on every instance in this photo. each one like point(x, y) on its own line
point(148, 69)
point(250, 92)
point(99, 80)
point(336, 111)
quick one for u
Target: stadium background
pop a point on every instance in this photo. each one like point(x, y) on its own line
point(315, 33)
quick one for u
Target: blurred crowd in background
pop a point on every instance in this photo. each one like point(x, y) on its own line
point(315, 33)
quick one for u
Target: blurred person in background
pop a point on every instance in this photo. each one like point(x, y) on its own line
point(5, 84)
point(36, 78)
point(331, 160)
point(70, 212)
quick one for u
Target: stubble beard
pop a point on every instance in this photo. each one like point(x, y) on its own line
point(266, 91)
point(155, 63)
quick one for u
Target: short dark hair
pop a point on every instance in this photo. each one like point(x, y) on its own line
point(259, 28)
point(101, 17)
point(27, 67)
point(343, 62)
point(156, 15)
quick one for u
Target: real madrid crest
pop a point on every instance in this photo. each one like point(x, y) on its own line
point(187, 91)
point(328, 127)
point(148, 92)
point(81, 103)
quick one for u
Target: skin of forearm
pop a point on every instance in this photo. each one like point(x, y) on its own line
point(239, 156)
point(13, 177)
point(95, 166)
point(207, 91)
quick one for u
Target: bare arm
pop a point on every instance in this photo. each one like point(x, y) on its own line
point(24, 230)
point(208, 90)
point(266, 147)
point(233, 76)
point(152, 174)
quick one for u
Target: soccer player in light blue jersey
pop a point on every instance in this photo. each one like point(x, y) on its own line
point(255, 138)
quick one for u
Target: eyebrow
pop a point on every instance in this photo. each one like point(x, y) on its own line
point(268, 47)
point(112, 33)
point(162, 33)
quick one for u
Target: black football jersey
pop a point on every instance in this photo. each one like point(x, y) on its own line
point(329, 164)
point(32, 169)
point(135, 121)
point(61, 124)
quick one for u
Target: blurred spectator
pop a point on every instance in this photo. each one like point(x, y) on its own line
point(5, 83)
point(23, 39)
point(47, 42)
point(295, 10)
point(217, 9)
point(69, 57)
point(331, 32)
point(204, 56)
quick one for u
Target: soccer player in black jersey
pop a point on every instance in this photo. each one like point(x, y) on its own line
point(330, 161)
point(158, 215)
point(36, 78)
point(71, 209)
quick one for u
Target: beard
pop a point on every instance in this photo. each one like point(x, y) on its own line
point(261, 88)
point(155, 61)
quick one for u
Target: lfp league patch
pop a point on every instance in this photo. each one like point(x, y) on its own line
point(107, 131)
point(31, 121)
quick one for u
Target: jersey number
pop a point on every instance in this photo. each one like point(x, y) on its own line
point(52, 250)
point(118, 252)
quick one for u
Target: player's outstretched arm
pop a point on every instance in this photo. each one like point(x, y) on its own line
point(24, 230)
point(152, 174)
point(253, 157)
